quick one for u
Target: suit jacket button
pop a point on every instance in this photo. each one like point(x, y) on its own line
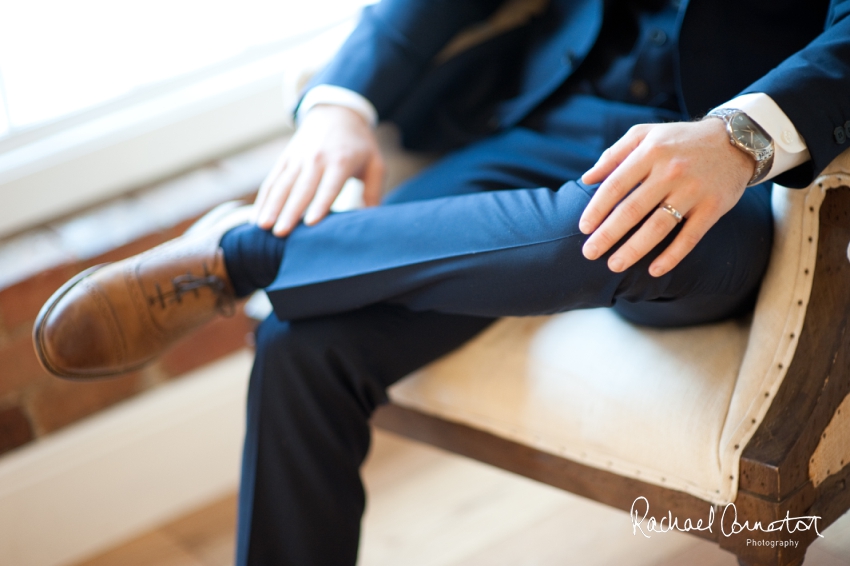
point(847, 129)
point(658, 37)
point(569, 58)
point(639, 89)
point(839, 135)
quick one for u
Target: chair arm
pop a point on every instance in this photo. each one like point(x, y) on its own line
point(776, 461)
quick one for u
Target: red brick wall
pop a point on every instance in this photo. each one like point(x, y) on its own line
point(34, 265)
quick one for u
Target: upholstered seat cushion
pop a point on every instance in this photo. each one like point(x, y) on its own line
point(673, 407)
point(586, 385)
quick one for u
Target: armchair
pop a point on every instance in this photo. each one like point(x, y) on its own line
point(752, 412)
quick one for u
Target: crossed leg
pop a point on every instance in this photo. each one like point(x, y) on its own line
point(364, 298)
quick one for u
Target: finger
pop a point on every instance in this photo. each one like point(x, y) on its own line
point(266, 186)
point(686, 240)
point(276, 196)
point(330, 186)
point(373, 181)
point(656, 227)
point(633, 170)
point(625, 216)
point(301, 195)
point(612, 157)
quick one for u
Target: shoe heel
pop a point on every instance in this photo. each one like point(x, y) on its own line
point(212, 217)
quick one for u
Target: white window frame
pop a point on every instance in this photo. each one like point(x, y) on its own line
point(75, 162)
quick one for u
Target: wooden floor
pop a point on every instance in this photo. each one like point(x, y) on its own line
point(427, 507)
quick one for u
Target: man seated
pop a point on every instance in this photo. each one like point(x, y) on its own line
point(576, 174)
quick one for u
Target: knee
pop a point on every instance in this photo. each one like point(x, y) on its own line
point(317, 358)
point(301, 341)
point(289, 350)
point(271, 336)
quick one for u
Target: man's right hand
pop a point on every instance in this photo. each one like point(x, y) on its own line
point(332, 144)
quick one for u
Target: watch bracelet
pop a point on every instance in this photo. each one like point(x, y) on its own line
point(761, 168)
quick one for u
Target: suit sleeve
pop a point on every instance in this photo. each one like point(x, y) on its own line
point(812, 87)
point(394, 43)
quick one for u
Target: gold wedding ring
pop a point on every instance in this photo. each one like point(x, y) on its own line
point(671, 211)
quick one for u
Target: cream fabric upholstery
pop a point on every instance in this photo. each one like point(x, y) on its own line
point(670, 407)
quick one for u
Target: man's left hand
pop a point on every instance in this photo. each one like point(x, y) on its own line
point(689, 165)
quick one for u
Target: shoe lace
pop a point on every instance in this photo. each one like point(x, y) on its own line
point(189, 283)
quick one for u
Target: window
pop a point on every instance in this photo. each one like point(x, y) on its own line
point(98, 96)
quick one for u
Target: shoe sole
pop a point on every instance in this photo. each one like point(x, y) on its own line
point(38, 327)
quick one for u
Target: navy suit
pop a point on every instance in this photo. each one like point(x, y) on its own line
point(794, 50)
point(365, 297)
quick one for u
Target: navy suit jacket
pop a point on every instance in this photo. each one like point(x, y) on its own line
point(796, 51)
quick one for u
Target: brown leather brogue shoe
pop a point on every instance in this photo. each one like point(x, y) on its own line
point(117, 317)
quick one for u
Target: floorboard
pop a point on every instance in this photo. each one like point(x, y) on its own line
point(429, 508)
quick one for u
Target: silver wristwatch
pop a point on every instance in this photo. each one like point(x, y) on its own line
point(749, 137)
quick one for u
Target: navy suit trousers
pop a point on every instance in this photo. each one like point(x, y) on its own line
point(365, 297)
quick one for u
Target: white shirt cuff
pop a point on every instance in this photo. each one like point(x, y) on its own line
point(338, 96)
point(790, 148)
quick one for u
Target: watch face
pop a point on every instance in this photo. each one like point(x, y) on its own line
point(748, 133)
